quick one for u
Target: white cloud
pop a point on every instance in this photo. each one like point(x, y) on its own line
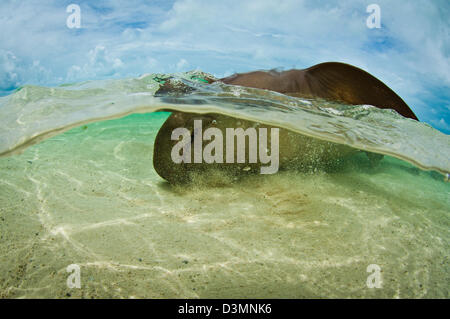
point(182, 64)
point(410, 53)
point(8, 62)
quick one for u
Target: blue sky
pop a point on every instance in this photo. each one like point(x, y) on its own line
point(410, 52)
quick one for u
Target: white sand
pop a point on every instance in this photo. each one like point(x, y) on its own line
point(91, 197)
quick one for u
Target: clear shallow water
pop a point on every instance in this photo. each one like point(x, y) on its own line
point(90, 196)
point(35, 113)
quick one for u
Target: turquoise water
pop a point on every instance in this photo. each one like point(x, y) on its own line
point(77, 186)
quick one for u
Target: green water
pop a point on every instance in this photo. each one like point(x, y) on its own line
point(91, 197)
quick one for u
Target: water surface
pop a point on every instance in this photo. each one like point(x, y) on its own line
point(77, 186)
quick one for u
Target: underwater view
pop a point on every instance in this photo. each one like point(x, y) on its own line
point(190, 149)
point(88, 194)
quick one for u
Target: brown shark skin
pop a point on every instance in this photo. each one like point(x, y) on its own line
point(295, 150)
point(331, 80)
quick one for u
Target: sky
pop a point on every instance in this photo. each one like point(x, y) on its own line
point(410, 52)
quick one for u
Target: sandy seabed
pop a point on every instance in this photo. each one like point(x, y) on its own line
point(91, 197)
